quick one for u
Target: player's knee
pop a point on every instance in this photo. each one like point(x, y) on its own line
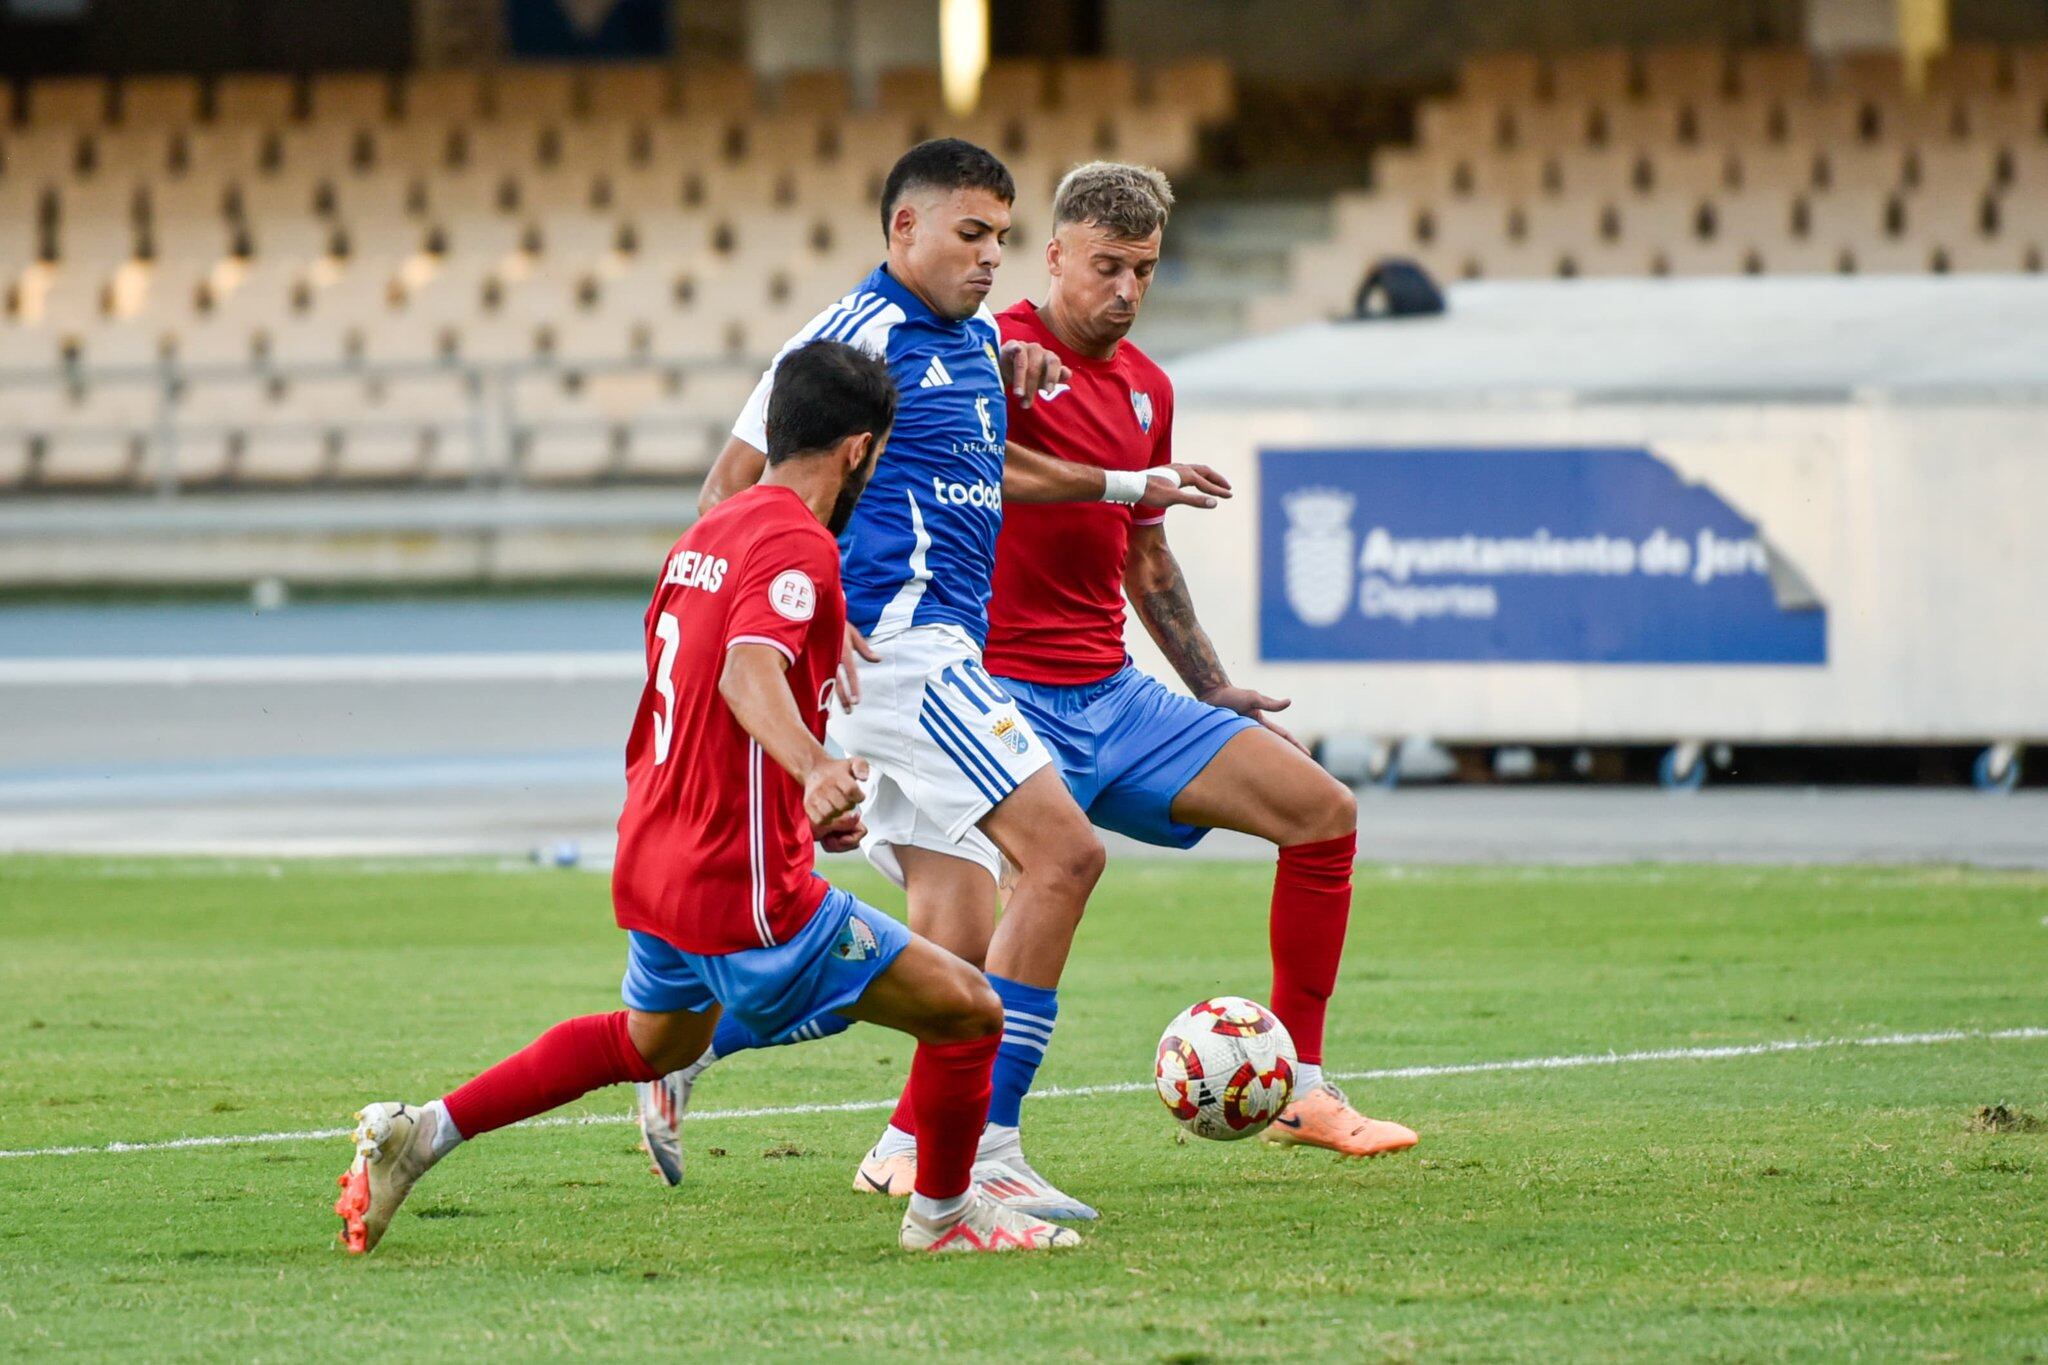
point(984, 1014)
point(1334, 813)
point(668, 1057)
point(1087, 860)
point(971, 1010)
point(1074, 860)
point(662, 1043)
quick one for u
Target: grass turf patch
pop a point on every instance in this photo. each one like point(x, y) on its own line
point(1836, 1201)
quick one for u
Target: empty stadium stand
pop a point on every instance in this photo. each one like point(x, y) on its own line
point(473, 277)
point(1698, 160)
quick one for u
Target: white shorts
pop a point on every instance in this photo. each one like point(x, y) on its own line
point(944, 744)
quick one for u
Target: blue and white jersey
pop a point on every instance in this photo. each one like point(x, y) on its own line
point(921, 547)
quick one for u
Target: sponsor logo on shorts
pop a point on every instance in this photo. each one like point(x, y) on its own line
point(857, 942)
point(1011, 734)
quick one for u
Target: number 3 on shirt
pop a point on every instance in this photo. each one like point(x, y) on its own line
point(669, 631)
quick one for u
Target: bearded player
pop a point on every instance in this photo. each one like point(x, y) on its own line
point(726, 782)
point(1141, 760)
point(950, 754)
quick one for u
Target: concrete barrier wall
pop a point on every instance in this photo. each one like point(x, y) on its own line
point(1919, 526)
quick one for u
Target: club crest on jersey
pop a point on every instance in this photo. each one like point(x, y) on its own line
point(1141, 404)
point(1011, 734)
point(857, 942)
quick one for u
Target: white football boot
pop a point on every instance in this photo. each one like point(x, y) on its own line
point(394, 1148)
point(661, 1106)
point(985, 1225)
point(1001, 1170)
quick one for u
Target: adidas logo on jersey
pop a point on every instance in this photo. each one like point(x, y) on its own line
point(935, 375)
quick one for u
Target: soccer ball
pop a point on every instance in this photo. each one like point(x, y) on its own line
point(1225, 1068)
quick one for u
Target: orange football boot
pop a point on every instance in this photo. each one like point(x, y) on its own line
point(1324, 1118)
point(893, 1176)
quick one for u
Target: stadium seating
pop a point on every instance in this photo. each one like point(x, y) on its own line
point(554, 273)
point(1697, 160)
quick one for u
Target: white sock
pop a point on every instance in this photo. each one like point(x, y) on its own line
point(941, 1210)
point(1307, 1076)
point(895, 1141)
point(446, 1135)
point(996, 1138)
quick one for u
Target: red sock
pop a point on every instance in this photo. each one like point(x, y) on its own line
point(573, 1058)
point(905, 1118)
point(949, 1085)
point(1311, 907)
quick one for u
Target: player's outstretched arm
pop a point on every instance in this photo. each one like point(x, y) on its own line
point(1158, 592)
point(737, 468)
point(753, 685)
point(1033, 476)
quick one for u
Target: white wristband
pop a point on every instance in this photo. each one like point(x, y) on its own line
point(1123, 485)
point(1128, 485)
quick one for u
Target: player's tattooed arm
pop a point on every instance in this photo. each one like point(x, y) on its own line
point(752, 684)
point(737, 469)
point(1159, 593)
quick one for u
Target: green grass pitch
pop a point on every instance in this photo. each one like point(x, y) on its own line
point(1835, 1202)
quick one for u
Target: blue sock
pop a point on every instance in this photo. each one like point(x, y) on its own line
point(1028, 1014)
point(732, 1036)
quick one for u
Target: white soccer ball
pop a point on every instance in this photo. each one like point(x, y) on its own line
point(1225, 1068)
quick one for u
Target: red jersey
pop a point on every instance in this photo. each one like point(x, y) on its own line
point(1056, 612)
point(715, 852)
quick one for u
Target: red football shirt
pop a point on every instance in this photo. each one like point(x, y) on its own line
point(715, 852)
point(1056, 614)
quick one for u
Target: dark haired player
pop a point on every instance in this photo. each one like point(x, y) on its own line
point(950, 753)
point(726, 784)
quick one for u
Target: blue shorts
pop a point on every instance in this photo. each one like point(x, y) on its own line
point(1126, 746)
point(773, 991)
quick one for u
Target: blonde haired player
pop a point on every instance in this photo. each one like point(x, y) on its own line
point(1140, 759)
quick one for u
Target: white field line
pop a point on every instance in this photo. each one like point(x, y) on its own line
point(1398, 1073)
point(187, 671)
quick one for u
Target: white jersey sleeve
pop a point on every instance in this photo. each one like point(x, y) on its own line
point(851, 319)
